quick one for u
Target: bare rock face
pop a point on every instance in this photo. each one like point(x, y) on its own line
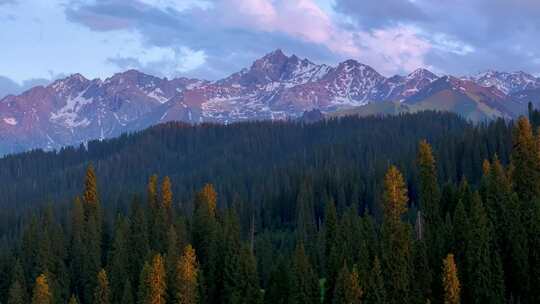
point(75, 110)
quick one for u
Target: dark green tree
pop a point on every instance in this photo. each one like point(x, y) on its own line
point(305, 284)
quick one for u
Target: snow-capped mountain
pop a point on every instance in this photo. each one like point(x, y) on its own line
point(74, 110)
point(508, 83)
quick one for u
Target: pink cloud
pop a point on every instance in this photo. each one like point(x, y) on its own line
point(389, 50)
point(302, 19)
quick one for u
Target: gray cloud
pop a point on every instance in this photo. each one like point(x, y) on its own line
point(465, 36)
point(499, 34)
point(370, 14)
point(8, 86)
point(227, 49)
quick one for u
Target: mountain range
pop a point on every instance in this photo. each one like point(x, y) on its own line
point(74, 110)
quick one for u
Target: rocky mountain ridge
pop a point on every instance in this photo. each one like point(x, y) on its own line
point(74, 110)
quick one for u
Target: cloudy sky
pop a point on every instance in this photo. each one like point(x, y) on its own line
point(42, 40)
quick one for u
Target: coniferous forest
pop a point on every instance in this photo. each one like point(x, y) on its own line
point(416, 208)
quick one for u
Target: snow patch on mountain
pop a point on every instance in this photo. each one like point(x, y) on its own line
point(68, 115)
point(10, 121)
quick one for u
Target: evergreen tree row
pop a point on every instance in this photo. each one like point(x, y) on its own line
point(418, 237)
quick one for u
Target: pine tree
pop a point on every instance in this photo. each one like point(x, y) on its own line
point(139, 245)
point(152, 192)
point(166, 195)
point(330, 252)
point(77, 247)
point(534, 252)
point(187, 278)
point(305, 217)
point(394, 197)
point(376, 292)
point(525, 175)
point(119, 259)
point(17, 291)
point(461, 234)
point(171, 260)
point(92, 235)
point(429, 201)
point(102, 292)
point(143, 292)
point(505, 212)
point(127, 296)
point(41, 293)
point(450, 280)
point(305, 285)
point(422, 276)
point(347, 290)
point(17, 294)
point(153, 282)
point(429, 193)
point(396, 242)
point(279, 290)
point(482, 264)
point(249, 283)
point(205, 224)
point(90, 195)
point(73, 300)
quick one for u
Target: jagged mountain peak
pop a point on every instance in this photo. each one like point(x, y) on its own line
point(507, 82)
point(422, 73)
point(275, 86)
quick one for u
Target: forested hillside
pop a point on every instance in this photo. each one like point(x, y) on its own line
point(415, 208)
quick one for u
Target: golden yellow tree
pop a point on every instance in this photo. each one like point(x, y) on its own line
point(152, 191)
point(450, 279)
point(102, 291)
point(155, 282)
point(208, 197)
point(395, 196)
point(166, 193)
point(187, 271)
point(41, 293)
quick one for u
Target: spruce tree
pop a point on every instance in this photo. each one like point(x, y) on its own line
point(171, 260)
point(205, 225)
point(102, 293)
point(506, 213)
point(430, 219)
point(305, 285)
point(483, 284)
point(279, 290)
point(17, 291)
point(450, 281)
point(139, 245)
point(73, 300)
point(330, 250)
point(305, 217)
point(152, 192)
point(376, 291)
point(347, 289)
point(17, 294)
point(41, 293)
point(127, 296)
point(92, 235)
point(77, 247)
point(525, 175)
point(90, 195)
point(119, 259)
point(421, 284)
